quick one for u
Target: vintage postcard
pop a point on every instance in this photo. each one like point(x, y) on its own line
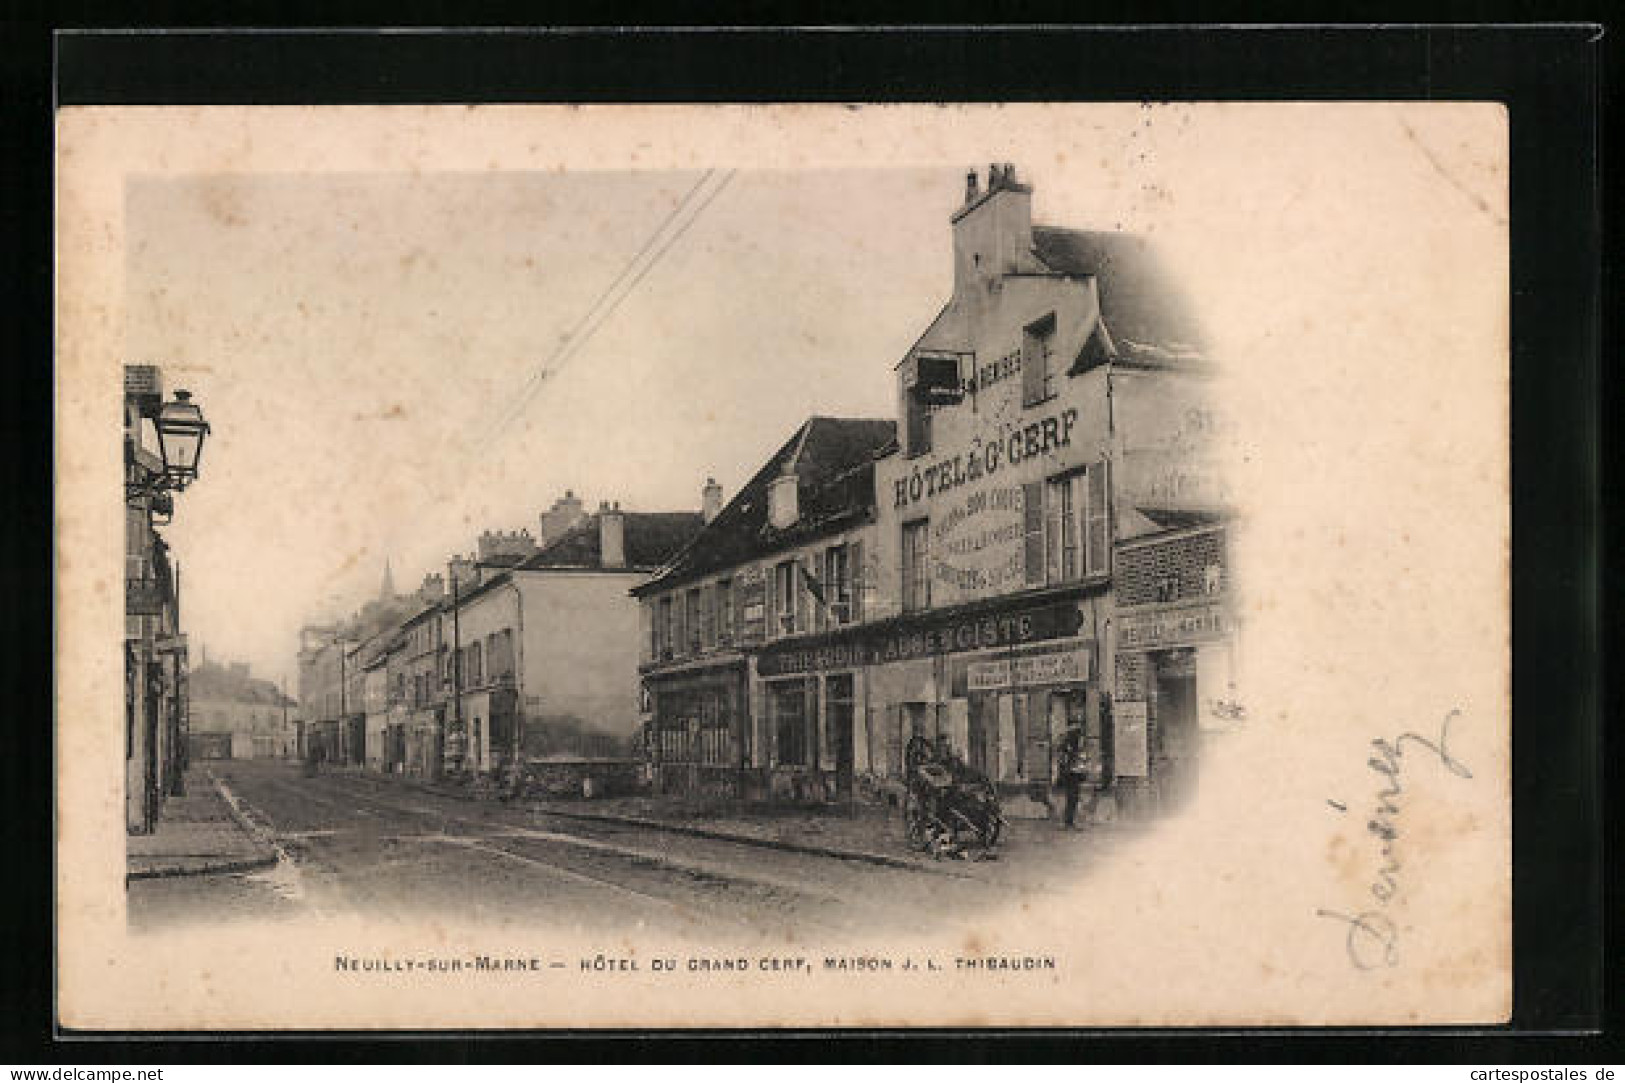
point(783, 566)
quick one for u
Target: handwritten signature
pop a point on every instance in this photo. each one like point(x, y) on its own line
point(1372, 938)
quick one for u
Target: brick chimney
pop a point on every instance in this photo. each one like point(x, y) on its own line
point(565, 513)
point(611, 535)
point(993, 230)
point(710, 500)
point(465, 571)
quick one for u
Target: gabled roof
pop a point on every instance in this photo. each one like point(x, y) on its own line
point(651, 539)
point(833, 460)
point(1141, 303)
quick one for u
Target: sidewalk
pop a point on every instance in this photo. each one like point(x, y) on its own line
point(197, 834)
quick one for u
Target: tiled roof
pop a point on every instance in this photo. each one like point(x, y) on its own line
point(833, 460)
point(651, 539)
point(1140, 300)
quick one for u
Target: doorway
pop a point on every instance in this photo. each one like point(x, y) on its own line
point(1176, 725)
point(838, 718)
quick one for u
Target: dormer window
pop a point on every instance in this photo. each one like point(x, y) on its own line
point(782, 509)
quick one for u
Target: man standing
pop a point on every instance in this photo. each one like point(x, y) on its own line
point(1071, 766)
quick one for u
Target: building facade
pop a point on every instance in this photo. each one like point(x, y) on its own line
point(155, 652)
point(234, 715)
point(1055, 409)
point(789, 559)
point(1054, 435)
point(544, 651)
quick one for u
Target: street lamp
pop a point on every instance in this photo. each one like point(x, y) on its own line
point(181, 432)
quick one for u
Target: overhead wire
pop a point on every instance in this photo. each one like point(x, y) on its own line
point(598, 314)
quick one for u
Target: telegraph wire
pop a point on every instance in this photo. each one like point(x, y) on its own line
point(570, 335)
point(597, 315)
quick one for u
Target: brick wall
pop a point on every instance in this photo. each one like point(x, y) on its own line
point(1171, 571)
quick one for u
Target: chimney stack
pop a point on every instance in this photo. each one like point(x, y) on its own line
point(993, 235)
point(971, 190)
point(565, 513)
point(611, 535)
point(710, 499)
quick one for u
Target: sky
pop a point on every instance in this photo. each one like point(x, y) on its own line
point(356, 340)
point(355, 337)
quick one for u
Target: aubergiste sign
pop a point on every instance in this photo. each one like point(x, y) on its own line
point(906, 639)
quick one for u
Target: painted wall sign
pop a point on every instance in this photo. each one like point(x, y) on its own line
point(1130, 744)
point(1054, 666)
point(1175, 479)
point(906, 639)
point(1172, 626)
point(982, 460)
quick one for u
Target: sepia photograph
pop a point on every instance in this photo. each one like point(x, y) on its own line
point(867, 565)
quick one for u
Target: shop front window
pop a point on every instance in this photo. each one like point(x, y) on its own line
point(789, 699)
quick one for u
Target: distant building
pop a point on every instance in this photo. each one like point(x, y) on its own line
point(237, 716)
point(545, 658)
point(332, 692)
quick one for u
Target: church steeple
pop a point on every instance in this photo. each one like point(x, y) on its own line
point(386, 590)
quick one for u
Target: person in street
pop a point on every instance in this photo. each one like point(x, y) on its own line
point(928, 774)
point(1070, 768)
point(1083, 766)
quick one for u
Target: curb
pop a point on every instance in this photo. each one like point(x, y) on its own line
point(170, 872)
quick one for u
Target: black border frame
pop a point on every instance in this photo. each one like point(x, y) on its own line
point(1550, 76)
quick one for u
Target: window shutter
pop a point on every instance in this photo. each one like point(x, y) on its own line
point(855, 584)
point(1032, 369)
point(806, 604)
point(1099, 533)
point(1032, 515)
point(770, 601)
point(1054, 530)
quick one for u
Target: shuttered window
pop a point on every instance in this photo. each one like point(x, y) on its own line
point(916, 565)
point(1032, 530)
point(856, 583)
point(725, 611)
point(1037, 364)
point(1098, 530)
point(1067, 528)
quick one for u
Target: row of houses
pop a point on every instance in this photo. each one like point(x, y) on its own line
point(1038, 535)
point(521, 652)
